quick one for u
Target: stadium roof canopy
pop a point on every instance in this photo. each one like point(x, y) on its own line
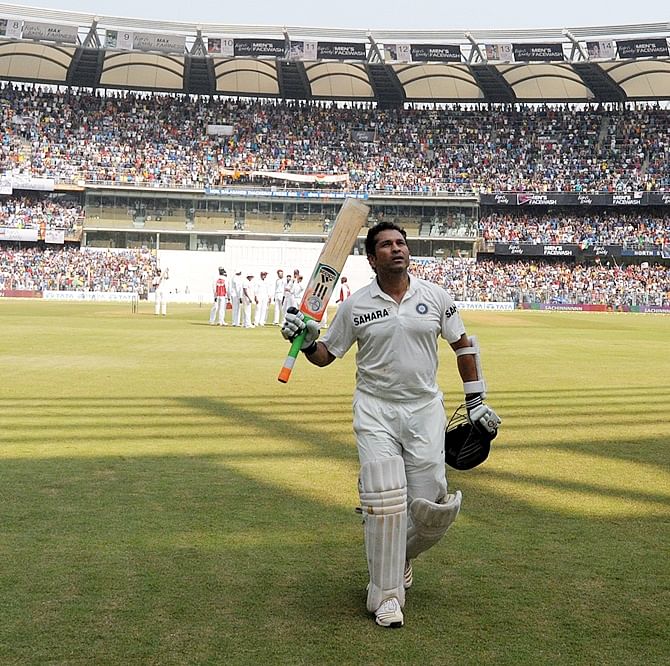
point(594, 64)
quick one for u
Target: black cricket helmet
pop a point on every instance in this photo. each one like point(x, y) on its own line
point(465, 446)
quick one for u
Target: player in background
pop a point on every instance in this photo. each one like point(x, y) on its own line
point(218, 311)
point(288, 301)
point(280, 283)
point(248, 297)
point(343, 294)
point(162, 291)
point(236, 297)
point(399, 417)
point(298, 289)
point(262, 294)
point(345, 291)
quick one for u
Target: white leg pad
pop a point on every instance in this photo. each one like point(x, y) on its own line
point(429, 522)
point(383, 493)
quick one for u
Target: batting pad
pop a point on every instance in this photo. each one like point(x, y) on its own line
point(429, 522)
point(382, 488)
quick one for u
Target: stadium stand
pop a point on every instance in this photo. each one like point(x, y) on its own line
point(161, 141)
point(554, 179)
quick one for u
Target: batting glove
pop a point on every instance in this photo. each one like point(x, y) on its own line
point(481, 415)
point(295, 323)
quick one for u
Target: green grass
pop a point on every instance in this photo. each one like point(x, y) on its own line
point(164, 500)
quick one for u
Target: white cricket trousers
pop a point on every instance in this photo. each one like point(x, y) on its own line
point(160, 302)
point(277, 311)
point(261, 314)
point(246, 310)
point(218, 311)
point(411, 429)
point(237, 311)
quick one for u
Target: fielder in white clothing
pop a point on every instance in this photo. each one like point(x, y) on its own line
point(262, 293)
point(399, 416)
point(218, 310)
point(288, 301)
point(280, 284)
point(248, 297)
point(298, 290)
point(236, 297)
point(161, 293)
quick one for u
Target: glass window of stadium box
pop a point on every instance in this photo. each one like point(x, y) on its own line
point(119, 239)
point(209, 243)
point(174, 241)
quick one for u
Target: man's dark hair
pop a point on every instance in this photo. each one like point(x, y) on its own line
point(373, 232)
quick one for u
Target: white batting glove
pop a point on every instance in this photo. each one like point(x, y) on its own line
point(295, 323)
point(481, 415)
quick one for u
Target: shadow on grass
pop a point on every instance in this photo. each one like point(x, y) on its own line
point(180, 559)
point(177, 559)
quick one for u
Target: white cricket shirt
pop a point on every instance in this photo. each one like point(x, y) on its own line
point(397, 343)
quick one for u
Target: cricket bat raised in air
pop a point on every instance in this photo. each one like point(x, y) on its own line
point(338, 246)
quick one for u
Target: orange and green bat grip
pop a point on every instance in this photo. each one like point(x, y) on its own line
point(286, 369)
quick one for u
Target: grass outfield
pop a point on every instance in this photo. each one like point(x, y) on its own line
point(164, 500)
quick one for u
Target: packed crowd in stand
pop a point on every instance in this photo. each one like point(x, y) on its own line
point(542, 282)
point(34, 212)
point(161, 140)
point(75, 269)
point(633, 230)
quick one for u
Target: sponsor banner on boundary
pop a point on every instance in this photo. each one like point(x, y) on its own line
point(485, 305)
point(590, 307)
point(20, 293)
point(119, 296)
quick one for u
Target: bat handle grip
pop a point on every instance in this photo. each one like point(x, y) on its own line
point(285, 372)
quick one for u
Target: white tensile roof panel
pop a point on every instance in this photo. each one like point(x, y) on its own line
point(145, 71)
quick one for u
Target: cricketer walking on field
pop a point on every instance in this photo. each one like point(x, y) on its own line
point(399, 418)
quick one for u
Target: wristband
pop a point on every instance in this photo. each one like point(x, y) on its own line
point(308, 351)
point(473, 400)
point(474, 387)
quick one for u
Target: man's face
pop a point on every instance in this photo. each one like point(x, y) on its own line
point(391, 252)
point(280, 274)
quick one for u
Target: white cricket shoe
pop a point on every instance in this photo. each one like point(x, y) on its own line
point(408, 575)
point(389, 614)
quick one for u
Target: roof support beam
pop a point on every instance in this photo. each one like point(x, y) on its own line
point(577, 52)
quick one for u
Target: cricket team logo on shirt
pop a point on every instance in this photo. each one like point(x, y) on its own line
point(421, 308)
